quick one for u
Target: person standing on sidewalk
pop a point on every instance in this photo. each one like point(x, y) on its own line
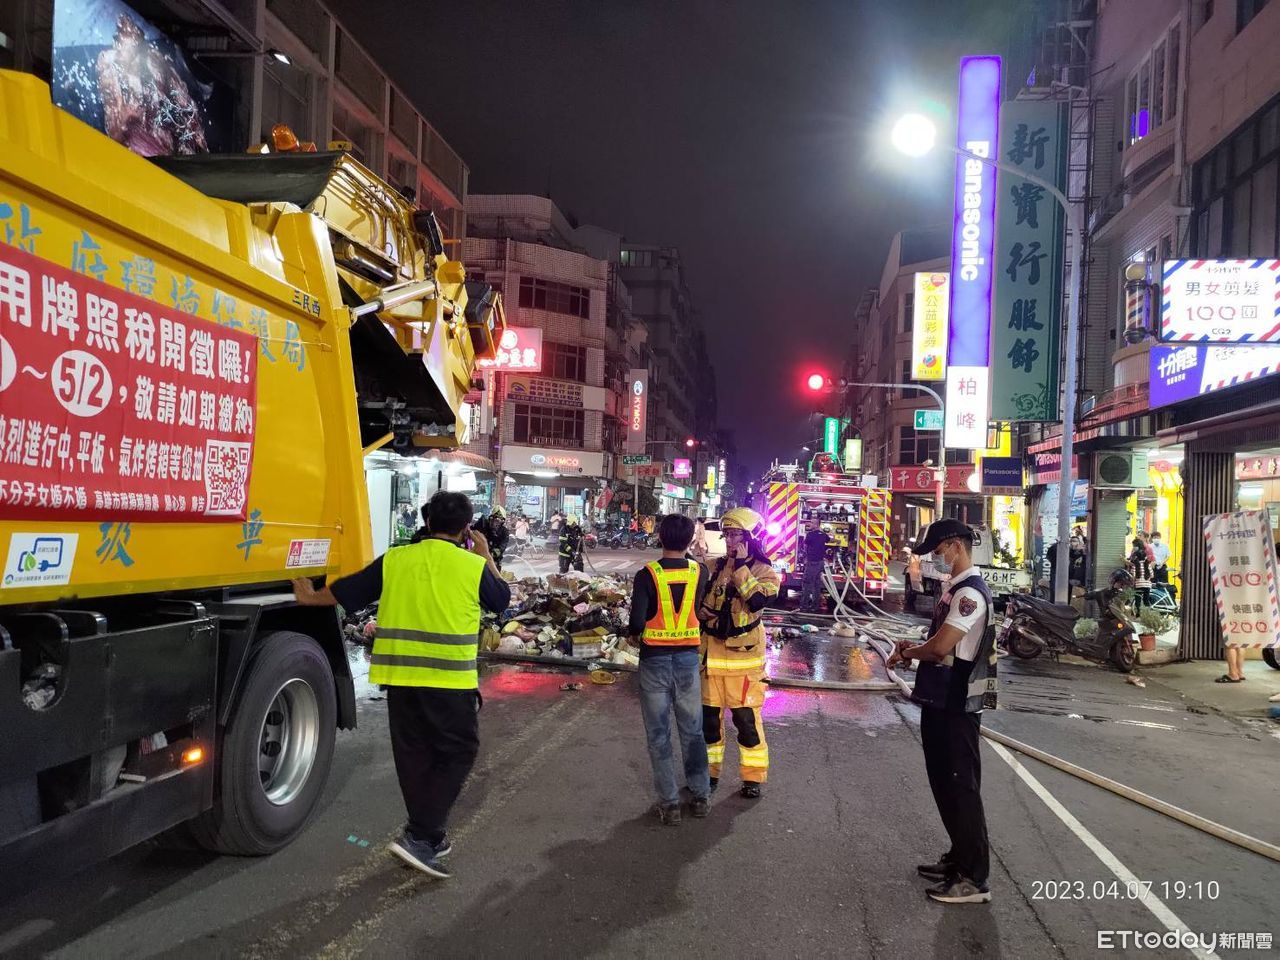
point(815, 555)
point(430, 595)
point(734, 642)
point(664, 624)
point(1159, 559)
point(955, 681)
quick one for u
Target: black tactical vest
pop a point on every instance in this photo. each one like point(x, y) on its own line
point(956, 685)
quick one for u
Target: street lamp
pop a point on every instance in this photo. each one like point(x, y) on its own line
point(915, 135)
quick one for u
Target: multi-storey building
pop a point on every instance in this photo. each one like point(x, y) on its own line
point(1178, 147)
point(682, 406)
point(884, 417)
point(555, 431)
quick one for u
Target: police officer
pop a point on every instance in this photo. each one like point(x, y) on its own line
point(956, 679)
point(429, 596)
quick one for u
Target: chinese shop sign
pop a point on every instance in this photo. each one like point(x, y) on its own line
point(1242, 565)
point(929, 312)
point(972, 254)
point(1029, 232)
point(1182, 372)
point(115, 407)
point(519, 348)
point(1221, 301)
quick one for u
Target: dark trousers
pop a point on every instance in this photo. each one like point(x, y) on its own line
point(435, 735)
point(954, 766)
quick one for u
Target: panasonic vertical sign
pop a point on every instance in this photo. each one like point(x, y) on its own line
point(972, 252)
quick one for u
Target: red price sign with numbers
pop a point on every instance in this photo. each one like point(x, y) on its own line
point(115, 407)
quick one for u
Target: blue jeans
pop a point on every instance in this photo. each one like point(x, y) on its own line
point(669, 681)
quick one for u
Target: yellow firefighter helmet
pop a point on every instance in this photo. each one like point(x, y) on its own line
point(743, 518)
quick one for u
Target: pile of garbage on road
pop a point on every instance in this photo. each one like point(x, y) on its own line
point(570, 615)
point(563, 616)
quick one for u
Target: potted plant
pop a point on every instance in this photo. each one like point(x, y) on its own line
point(1152, 623)
point(1086, 628)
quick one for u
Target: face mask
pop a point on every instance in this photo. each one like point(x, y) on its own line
point(941, 563)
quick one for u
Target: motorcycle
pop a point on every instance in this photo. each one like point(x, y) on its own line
point(1033, 626)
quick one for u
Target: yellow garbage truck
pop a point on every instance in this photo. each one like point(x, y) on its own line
point(195, 355)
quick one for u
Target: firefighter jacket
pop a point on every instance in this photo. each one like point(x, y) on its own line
point(733, 638)
point(428, 617)
point(956, 685)
point(570, 543)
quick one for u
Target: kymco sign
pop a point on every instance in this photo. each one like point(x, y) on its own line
point(637, 409)
point(972, 253)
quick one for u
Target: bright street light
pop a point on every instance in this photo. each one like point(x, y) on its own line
point(914, 134)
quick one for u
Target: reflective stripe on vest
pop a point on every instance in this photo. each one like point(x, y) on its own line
point(428, 617)
point(669, 627)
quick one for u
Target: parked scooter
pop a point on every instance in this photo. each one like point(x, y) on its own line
point(1034, 626)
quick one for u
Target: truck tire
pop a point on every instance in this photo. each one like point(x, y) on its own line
point(274, 755)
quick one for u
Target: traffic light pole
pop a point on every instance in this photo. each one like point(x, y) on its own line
point(940, 471)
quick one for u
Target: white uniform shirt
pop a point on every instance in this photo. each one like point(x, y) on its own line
point(1161, 553)
point(968, 613)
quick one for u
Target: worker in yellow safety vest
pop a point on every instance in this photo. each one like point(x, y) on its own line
point(429, 595)
point(733, 648)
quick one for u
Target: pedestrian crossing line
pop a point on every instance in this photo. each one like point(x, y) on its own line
point(1101, 851)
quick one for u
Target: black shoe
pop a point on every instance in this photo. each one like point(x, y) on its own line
point(670, 816)
point(959, 890)
point(935, 871)
point(421, 855)
point(715, 782)
point(699, 807)
point(750, 790)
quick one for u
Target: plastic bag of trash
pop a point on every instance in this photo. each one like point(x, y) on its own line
point(511, 645)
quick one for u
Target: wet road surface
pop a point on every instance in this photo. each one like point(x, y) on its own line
point(556, 854)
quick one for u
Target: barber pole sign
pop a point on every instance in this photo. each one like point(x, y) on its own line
point(1242, 565)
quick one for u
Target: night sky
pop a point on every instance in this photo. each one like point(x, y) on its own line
point(750, 134)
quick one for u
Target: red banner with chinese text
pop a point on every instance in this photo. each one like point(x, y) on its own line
point(116, 407)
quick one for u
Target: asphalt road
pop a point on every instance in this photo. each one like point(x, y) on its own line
point(612, 562)
point(556, 853)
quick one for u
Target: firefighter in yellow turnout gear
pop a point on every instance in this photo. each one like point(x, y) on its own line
point(733, 648)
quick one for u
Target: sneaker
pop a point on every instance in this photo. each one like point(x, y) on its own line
point(444, 847)
point(421, 855)
point(959, 890)
point(699, 807)
point(935, 871)
point(715, 782)
point(750, 790)
point(669, 815)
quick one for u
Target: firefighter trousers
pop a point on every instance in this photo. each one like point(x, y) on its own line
point(743, 696)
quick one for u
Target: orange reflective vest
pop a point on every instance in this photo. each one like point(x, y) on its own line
point(670, 627)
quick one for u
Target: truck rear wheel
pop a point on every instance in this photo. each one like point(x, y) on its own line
point(275, 752)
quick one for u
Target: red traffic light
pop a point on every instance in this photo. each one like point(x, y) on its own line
point(690, 442)
point(816, 381)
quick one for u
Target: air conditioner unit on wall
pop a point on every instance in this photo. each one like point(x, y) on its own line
point(1126, 469)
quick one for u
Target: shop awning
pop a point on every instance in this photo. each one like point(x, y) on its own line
point(564, 482)
point(464, 457)
point(1122, 413)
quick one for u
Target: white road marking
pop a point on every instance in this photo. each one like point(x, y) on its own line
point(1099, 850)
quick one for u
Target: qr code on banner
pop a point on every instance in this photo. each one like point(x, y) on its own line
point(226, 478)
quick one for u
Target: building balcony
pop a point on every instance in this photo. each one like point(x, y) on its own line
point(1131, 365)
